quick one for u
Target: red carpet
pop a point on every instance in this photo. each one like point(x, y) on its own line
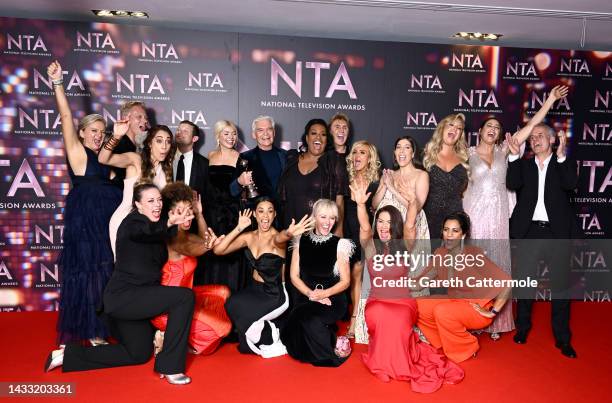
point(502, 372)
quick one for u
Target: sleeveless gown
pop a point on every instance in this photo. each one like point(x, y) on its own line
point(445, 194)
point(395, 351)
point(254, 308)
point(221, 211)
point(86, 261)
point(126, 203)
point(310, 332)
point(210, 322)
point(488, 203)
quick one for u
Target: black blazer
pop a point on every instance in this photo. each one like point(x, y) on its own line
point(260, 178)
point(198, 180)
point(141, 254)
point(561, 180)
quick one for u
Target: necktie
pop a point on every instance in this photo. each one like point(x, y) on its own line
point(180, 170)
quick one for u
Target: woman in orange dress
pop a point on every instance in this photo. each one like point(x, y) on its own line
point(210, 322)
point(445, 321)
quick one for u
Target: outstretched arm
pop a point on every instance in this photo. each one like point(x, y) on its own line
point(558, 92)
point(75, 151)
point(124, 160)
point(306, 224)
point(235, 240)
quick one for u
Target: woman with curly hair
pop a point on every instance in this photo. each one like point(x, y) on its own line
point(446, 160)
point(363, 167)
point(153, 164)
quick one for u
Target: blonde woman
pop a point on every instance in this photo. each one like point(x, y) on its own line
point(222, 208)
point(446, 160)
point(363, 167)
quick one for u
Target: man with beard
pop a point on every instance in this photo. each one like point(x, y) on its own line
point(190, 167)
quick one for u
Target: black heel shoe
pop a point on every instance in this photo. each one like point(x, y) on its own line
point(520, 337)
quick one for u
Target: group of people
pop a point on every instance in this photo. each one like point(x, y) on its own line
point(169, 252)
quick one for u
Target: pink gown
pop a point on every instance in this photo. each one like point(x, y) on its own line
point(394, 350)
point(210, 322)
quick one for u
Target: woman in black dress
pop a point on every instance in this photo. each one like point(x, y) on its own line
point(447, 161)
point(253, 309)
point(221, 209)
point(134, 296)
point(320, 272)
point(86, 262)
point(312, 174)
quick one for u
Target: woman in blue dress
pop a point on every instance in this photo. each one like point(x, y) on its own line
point(86, 262)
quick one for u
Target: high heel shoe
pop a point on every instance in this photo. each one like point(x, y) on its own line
point(98, 341)
point(158, 342)
point(176, 379)
point(54, 362)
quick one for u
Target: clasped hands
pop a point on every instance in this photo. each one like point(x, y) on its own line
point(318, 295)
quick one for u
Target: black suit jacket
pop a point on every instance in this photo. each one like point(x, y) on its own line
point(260, 178)
point(198, 180)
point(561, 180)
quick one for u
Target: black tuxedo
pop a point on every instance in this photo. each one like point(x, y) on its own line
point(260, 177)
point(545, 240)
point(198, 178)
point(561, 180)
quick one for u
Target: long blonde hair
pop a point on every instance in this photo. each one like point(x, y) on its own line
point(434, 146)
point(372, 173)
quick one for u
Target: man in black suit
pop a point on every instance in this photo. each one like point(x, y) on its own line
point(543, 215)
point(266, 163)
point(189, 166)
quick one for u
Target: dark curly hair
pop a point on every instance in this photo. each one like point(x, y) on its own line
point(148, 173)
point(330, 140)
point(464, 222)
point(175, 193)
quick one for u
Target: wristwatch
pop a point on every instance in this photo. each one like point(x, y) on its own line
point(493, 311)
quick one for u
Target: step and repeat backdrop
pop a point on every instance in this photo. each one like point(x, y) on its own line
point(387, 89)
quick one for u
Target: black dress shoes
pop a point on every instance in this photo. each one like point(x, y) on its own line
point(566, 349)
point(520, 337)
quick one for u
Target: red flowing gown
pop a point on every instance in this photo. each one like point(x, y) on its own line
point(210, 322)
point(395, 350)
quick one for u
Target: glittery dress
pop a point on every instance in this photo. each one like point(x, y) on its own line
point(488, 203)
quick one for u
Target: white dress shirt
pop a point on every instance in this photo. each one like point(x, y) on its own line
point(187, 161)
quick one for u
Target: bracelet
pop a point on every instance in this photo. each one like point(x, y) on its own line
point(111, 144)
point(493, 311)
point(59, 81)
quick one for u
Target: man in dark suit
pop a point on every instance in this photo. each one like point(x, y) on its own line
point(189, 166)
point(543, 215)
point(266, 163)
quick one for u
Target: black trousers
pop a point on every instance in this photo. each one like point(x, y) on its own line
point(133, 308)
point(556, 255)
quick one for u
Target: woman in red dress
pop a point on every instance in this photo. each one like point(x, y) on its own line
point(394, 350)
point(210, 322)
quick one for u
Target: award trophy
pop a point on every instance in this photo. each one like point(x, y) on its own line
point(251, 189)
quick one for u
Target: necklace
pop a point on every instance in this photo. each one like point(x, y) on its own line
point(319, 239)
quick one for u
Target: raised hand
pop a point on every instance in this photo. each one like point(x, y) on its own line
point(211, 240)
point(178, 216)
point(513, 144)
point(121, 127)
point(196, 203)
point(558, 92)
point(561, 150)
point(405, 189)
point(244, 220)
point(54, 71)
point(304, 225)
point(358, 193)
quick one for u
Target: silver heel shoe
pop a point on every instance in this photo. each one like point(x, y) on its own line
point(52, 362)
point(98, 341)
point(176, 379)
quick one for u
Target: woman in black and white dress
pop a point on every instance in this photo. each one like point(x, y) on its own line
point(254, 308)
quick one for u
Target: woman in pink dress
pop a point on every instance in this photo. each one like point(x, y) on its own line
point(394, 350)
point(487, 200)
point(210, 322)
